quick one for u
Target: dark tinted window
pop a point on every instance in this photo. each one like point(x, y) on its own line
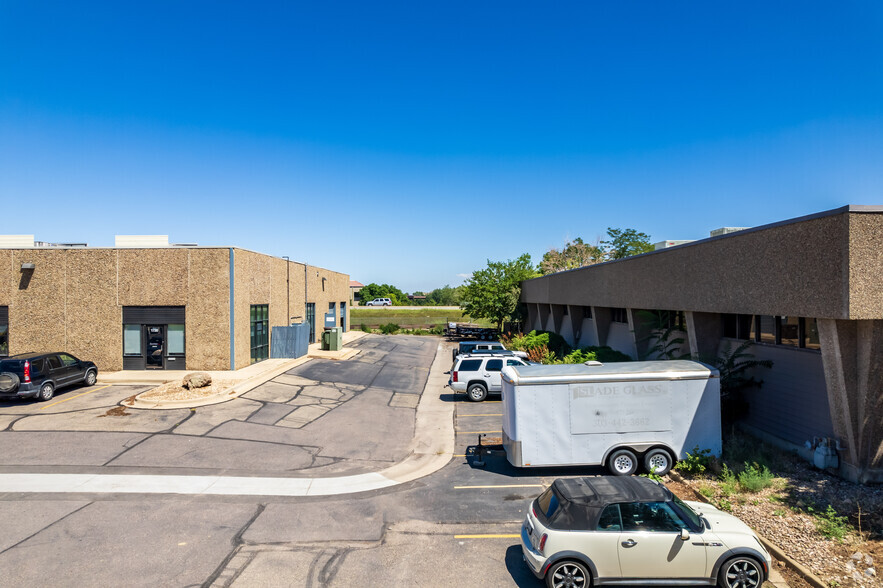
point(494, 365)
point(67, 360)
point(513, 362)
point(547, 504)
point(650, 516)
point(469, 365)
point(38, 365)
point(54, 362)
point(9, 365)
point(610, 519)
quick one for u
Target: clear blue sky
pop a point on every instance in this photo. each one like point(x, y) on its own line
point(432, 136)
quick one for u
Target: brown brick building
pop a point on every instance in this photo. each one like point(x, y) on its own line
point(164, 307)
point(807, 293)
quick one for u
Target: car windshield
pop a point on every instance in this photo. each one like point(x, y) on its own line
point(689, 513)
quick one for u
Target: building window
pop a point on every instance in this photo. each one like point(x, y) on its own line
point(260, 332)
point(311, 319)
point(587, 312)
point(619, 315)
point(4, 331)
point(810, 336)
point(788, 330)
point(738, 326)
point(766, 329)
point(343, 316)
point(175, 342)
point(132, 340)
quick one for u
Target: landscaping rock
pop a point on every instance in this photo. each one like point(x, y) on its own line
point(197, 380)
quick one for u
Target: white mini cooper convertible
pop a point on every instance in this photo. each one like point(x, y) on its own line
point(616, 530)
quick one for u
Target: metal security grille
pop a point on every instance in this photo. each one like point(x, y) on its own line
point(260, 332)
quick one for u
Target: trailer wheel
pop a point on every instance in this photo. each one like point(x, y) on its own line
point(657, 461)
point(623, 462)
point(476, 392)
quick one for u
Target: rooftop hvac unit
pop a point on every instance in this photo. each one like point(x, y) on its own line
point(727, 231)
point(16, 241)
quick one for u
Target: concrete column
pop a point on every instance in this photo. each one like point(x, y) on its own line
point(557, 316)
point(642, 330)
point(576, 322)
point(851, 352)
point(544, 315)
point(602, 317)
point(704, 332)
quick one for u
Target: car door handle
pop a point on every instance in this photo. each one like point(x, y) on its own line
point(629, 543)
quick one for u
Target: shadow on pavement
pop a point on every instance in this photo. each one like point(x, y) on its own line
point(521, 574)
point(495, 461)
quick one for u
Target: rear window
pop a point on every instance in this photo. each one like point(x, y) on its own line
point(469, 365)
point(10, 365)
point(547, 504)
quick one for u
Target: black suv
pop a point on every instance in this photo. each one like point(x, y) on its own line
point(38, 375)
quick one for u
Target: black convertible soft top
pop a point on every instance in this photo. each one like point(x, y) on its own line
point(581, 500)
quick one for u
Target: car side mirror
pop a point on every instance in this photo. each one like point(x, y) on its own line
point(685, 535)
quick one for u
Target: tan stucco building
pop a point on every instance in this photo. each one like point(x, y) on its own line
point(808, 294)
point(165, 307)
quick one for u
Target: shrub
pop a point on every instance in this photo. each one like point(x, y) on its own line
point(437, 330)
point(580, 356)
point(607, 355)
point(755, 478)
point(389, 328)
point(696, 462)
point(729, 483)
point(830, 524)
point(365, 328)
point(541, 354)
point(706, 491)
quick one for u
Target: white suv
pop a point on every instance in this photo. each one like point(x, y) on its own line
point(479, 374)
point(379, 302)
point(604, 530)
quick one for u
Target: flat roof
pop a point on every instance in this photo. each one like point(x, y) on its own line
point(625, 371)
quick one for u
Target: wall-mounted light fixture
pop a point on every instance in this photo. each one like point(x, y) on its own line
point(25, 267)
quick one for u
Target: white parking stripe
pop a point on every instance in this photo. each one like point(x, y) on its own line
point(213, 485)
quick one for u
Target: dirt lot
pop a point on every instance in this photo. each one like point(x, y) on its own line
point(830, 526)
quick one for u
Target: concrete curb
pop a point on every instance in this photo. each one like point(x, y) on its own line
point(235, 392)
point(776, 551)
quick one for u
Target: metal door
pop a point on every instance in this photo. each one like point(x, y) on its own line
point(311, 319)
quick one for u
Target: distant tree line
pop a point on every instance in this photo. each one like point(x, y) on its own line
point(444, 296)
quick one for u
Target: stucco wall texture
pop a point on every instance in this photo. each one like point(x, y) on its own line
point(823, 266)
point(73, 299)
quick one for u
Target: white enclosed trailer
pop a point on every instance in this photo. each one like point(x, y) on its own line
point(624, 415)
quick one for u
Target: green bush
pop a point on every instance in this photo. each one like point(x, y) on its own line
point(729, 483)
point(755, 478)
point(580, 356)
point(389, 328)
point(607, 355)
point(696, 462)
point(830, 524)
point(365, 328)
point(437, 330)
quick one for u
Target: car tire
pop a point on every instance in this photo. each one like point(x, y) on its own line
point(740, 572)
point(91, 377)
point(476, 392)
point(568, 573)
point(658, 462)
point(46, 392)
point(622, 462)
point(9, 382)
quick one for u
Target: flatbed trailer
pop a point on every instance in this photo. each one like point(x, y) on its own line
point(470, 331)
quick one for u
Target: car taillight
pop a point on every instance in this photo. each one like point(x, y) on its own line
point(454, 377)
point(543, 543)
point(27, 371)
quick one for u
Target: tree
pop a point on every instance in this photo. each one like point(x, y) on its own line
point(574, 254)
point(372, 291)
point(493, 293)
point(444, 296)
point(625, 243)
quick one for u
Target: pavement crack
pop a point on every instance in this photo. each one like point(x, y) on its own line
point(35, 533)
point(237, 543)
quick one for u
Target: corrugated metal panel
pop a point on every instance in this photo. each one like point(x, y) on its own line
point(290, 342)
point(4, 315)
point(9, 241)
point(141, 241)
point(153, 315)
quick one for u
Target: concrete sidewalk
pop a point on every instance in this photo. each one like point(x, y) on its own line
point(255, 370)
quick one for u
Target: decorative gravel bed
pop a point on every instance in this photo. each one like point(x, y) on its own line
point(176, 391)
point(793, 512)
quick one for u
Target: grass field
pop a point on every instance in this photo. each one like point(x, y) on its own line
point(407, 318)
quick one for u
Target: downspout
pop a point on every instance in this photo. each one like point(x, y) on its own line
point(232, 317)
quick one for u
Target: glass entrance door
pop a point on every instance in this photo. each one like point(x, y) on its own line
point(156, 340)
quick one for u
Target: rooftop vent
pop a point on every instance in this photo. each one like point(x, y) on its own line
point(139, 241)
point(16, 241)
point(667, 244)
point(727, 231)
